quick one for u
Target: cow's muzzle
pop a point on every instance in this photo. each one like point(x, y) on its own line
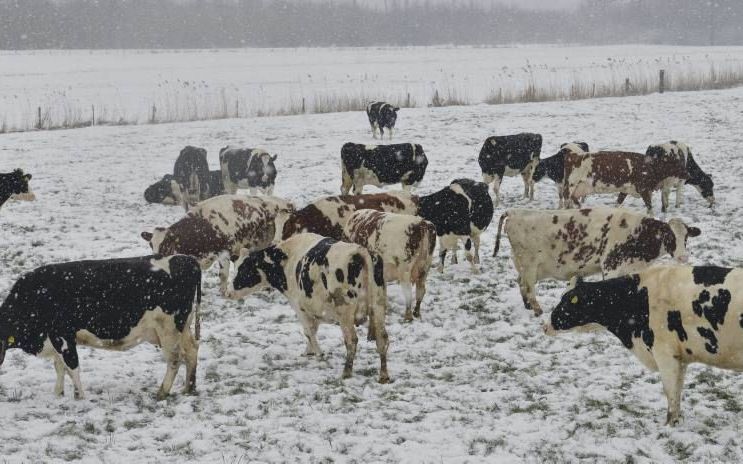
point(548, 329)
point(28, 196)
point(3, 347)
point(683, 259)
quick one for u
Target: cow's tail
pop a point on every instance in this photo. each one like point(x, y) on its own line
point(197, 315)
point(502, 219)
point(376, 295)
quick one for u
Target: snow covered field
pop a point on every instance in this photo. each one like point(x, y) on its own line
point(186, 85)
point(475, 380)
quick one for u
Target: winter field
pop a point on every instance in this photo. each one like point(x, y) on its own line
point(474, 381)
point(50, 89)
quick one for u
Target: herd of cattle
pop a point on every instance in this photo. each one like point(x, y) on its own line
point(333, 257)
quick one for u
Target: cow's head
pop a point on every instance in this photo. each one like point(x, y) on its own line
point(676, 245)
point(256, 271)
point(579, 310)
point(391, 114)
point(161, 191)
point(19, 187)
point(155, 239)
point(704, 184)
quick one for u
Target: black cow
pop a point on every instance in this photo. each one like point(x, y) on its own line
point(164, 192)
point(381, 115)
point(112, 304)
point(247, 168)
point(509, 155)
point(15, 184)
point(554, 167)
point(462, 210)
point(191, 174)
point(380, 165)
point(697, 178)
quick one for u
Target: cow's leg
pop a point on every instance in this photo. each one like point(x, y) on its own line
point(620, 199)
point(309, 327)
point(647, 198)
point(190, 354)
point(269, 190)
point(476, 242)
point(346, 181)
point(496, 188)
point(59, 367)
point(350, 339)
point(381, 132)
point(375, 128)
point(527, 285)
point(530, 178)
point(446, 242)
point(679, 194)
point(672, 375)
point(170, 344)
point(358, 186)
point(383, 341)
point(468, 255)
point(420, 292)
point(224, 272)
point(407, 291)
point(66, 348)
point(390, 130)
point(560, 197)
point(665, 195)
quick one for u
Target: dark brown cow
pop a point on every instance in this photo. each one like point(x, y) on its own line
point(625, 173)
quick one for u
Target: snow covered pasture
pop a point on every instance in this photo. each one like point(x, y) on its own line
point(474, 380)
point(122, 86)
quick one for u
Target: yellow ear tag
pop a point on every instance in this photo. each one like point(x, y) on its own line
point(11, 340)
point(574, 299)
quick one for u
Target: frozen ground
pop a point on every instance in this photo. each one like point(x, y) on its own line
point(474, 380)
point(185, 85)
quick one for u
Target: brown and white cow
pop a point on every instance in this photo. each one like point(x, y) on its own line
point(404, 243)
point(328, 216)
point(625, 173)
point(563, 244)
point(697, 178)
point(219, 228)
point(325, 281)
point(668, 316)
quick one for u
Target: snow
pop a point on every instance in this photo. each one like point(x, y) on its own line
point(475, 379)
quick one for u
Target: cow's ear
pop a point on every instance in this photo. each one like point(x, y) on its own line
point(693, 231)
point(273, 158)
point(147, 236)
point(27, 177)
point(574, 282)
point(244, 252)
point(396, 109)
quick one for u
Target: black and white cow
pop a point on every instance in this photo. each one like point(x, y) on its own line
point(510, 155)
point(166, 192)
point(15, 185)
point(554, 167)
point(667, 316)
point(380, 165)
point(112, 304)
point(459, 211)
point(381, 115)
point(247, 168)
point(697, 178)
point(191, 175)
point(325, 281)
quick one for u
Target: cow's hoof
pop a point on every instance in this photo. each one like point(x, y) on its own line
point(384, 378)
point(537, 312)
point(407, 318)
point(79, 396)
point(347, 374)
point(161, 395)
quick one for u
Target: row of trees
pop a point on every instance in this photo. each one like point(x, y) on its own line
point(30, 24)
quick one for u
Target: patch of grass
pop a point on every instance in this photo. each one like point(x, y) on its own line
point(485, 446)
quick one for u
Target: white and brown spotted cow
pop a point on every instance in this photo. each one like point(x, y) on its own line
point(328, 216)
point(405, 244)
point(562, 244)
point(218, 228)
point(325, 281)
point(697, 178)
point(625, 173)
point(668, 316)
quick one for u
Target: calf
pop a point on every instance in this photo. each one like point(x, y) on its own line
point(566, 243)
point(623, 172)
point(113, 304)
point(404, 243)
point(668, 316)
point(218, 228)
point(380, 165)
point(554, 167)
point(510, 155)
point(324, 281)
point(460, 211)
point(329, 215)
point(15, 184)
point(247, 168)
point(191, 175)
point(165, 192)
point(381, 115)
point(697, 178)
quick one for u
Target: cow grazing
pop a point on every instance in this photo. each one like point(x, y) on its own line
point(381, 115)
point(625, 173)
point(324, 281)
point(166, 192)
point(697, 178)
point(380, 165)
point(218, 228)
point(111, 304)
point(554, 167)
point(15, 185)
point(404, 243)
point(563, 244)
point(247, 168)
point(668, 316)
point(191, 175)
point(510, 155)
point(328, 216)
point(459, 211)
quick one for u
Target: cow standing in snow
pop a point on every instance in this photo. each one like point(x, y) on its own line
point(554, 168)
point(112, 304)
point(15, 185)
point(324, 281)
point(510, 155)
point(697, 178)
point(380, 165)
point(247, 168)
point(668, 316)
point(563, 244)
point(404, 243)
point(218, 228)
point(381, 115)
point(191, 175)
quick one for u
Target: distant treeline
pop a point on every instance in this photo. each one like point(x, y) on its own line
point(30, 24)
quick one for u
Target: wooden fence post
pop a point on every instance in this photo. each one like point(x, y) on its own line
point(92, 119)
point(662, 82)
point(154, 113)
point(237, 108)
point(303, 106)
point(408, 101)
point(38, 121)
point(627, 86)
